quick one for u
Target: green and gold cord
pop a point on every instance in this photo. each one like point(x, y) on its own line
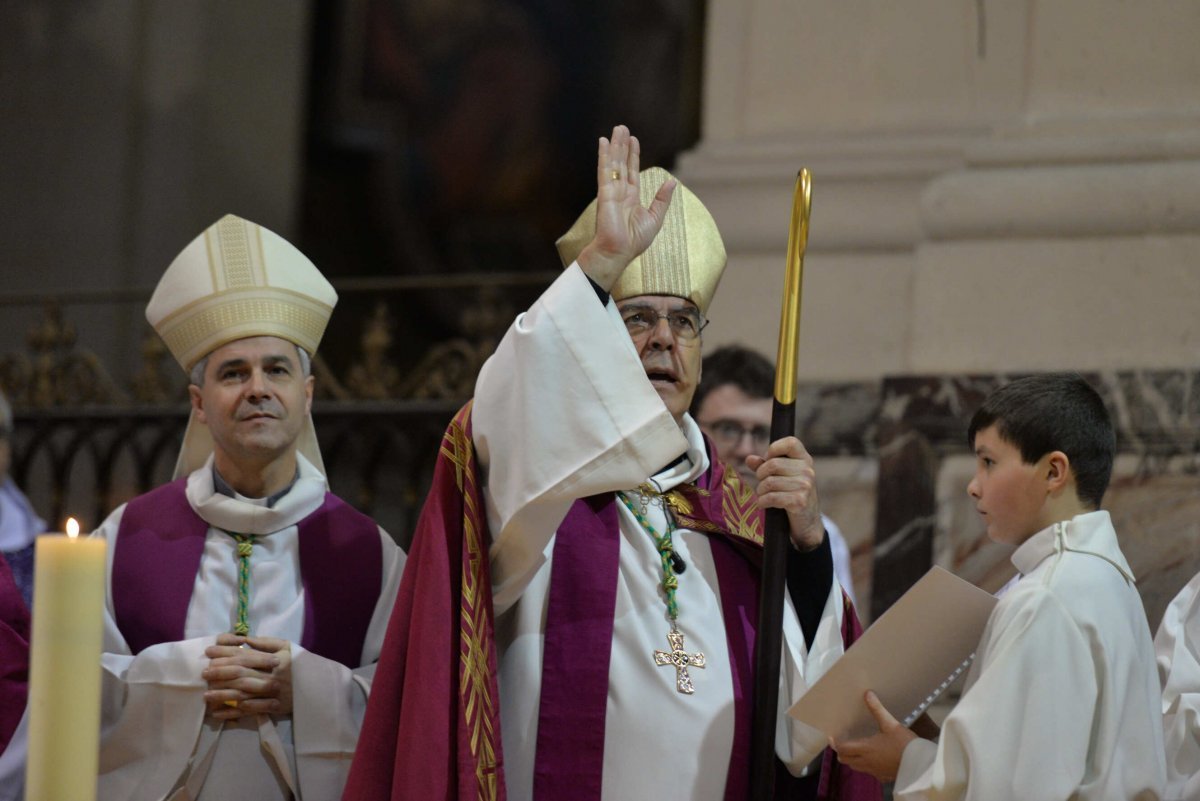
point(245, 545)
point(666, 548)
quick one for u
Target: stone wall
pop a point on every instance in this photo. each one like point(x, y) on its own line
point(129, 127)
point(998, 188)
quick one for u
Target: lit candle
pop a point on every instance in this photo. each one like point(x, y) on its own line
point(64, 667)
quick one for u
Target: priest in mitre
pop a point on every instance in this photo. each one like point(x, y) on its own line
point(623, 558)
point(246, 604)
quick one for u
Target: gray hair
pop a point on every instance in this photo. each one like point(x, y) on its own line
point(196, 376)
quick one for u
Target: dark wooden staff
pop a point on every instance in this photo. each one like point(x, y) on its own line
point(769, 641)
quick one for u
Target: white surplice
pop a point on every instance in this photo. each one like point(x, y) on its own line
point(1177, 647)
point(1062, 700)
point(562, 411)
point(157, 742)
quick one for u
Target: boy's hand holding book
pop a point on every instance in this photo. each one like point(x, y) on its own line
point(879, 754)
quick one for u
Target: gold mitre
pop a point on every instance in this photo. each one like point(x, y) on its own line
point(237, 280)
point(686, 259)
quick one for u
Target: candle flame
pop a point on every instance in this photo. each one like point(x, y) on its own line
point(72, 527)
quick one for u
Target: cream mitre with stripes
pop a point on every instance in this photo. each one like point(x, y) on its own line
point(238, 280)
point(686, 259)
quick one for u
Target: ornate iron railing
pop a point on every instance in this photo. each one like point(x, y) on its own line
point(85, 462)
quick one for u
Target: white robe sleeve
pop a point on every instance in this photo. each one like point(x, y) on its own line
point(563, 410)
point(140, 758)
point(798, 744)
point(1177, 651)
point(1022, 729)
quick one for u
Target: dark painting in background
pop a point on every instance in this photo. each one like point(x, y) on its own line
point(450, 142)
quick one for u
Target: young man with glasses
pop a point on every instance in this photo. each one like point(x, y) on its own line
point(733, 407)
point(623, 559)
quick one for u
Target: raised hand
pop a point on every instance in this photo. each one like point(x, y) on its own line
point(624, 228)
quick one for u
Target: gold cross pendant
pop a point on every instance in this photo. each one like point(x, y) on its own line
point(681, 659)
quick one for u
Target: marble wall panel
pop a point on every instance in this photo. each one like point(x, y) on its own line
point(924, 516)
point(837, 423)
point(847, 492)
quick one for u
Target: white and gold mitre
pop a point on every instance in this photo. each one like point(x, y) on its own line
point(237, 280)
point(686, 259)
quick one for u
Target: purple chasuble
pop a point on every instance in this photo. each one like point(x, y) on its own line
point(578, 646)
point(157, 556)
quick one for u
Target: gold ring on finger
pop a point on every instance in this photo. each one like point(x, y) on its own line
point(616, 175)
point(232, 703)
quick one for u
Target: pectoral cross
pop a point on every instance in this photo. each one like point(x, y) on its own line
point(681, 659)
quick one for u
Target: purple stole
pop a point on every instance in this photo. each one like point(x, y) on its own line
point(157, 555)
point(432, 727)
point(578, 644)
point(14, 655)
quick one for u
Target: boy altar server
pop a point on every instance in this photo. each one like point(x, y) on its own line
point(1062, 701)
point(246, 604)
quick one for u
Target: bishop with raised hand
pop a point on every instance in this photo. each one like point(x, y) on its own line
point(623, 559)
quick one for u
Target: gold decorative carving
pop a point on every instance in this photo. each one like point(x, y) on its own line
point(449, 369)
point(56, 373)
point(374, 377)
point(151, 383)
point(327, 384)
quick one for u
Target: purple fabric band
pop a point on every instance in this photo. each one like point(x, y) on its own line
point(155, 560)
point(161, 540)
point(578, 645)
point(738, 580)
point(341, 567)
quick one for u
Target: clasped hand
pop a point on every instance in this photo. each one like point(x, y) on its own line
point(787, 480)
point(254, 673)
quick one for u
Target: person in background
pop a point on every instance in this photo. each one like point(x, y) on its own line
point(1177, 651)
point(19, 524)
point(14, 656)
point(733, 407)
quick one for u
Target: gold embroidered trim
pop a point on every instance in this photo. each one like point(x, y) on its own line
point(740, 509)
point(235, 252)
point(665, 267)
point(201, 327)
point(479, 706)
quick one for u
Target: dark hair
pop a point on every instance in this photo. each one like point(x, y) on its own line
point(746, 369)
point(1054, 412)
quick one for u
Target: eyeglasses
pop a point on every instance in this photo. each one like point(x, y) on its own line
point(685, 324)
point(729, 433)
